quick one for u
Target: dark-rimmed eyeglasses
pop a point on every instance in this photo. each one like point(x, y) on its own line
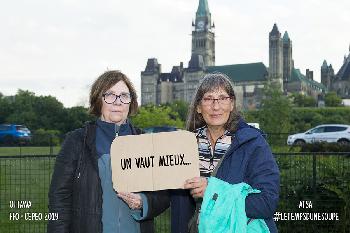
point(223, 100)
point(110, 98)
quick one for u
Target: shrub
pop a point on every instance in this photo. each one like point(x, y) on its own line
point(325, 147)
point(42, 137)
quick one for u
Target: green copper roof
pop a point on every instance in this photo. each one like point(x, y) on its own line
point(298, 76)
point(286, 37)
point(242, 72)
point(203, 8)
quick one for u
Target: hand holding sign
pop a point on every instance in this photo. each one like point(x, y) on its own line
point(133, 200)
point(151, 162)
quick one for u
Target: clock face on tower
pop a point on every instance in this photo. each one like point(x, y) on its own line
point(200, 24)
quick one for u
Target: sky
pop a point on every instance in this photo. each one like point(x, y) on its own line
point(59, 47)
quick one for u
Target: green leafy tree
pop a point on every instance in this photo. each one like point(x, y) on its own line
point(275, 110)
point(151, 115)
point(332, 100)
point(76, 117)
point(37, 111)
point(181, 107)
point(23, 110)
point(6, 108)
point(301, 100)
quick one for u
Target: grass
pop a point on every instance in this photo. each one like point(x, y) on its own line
point(28, 150)
point(24, 179)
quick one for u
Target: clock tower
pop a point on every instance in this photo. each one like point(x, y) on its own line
point(203, 36)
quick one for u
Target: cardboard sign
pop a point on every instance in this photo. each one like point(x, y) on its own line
point(151, 162)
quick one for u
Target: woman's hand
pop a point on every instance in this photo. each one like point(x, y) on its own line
point(197, 186)
point(133, 200)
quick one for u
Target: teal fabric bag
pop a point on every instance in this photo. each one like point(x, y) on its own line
point(223, 209)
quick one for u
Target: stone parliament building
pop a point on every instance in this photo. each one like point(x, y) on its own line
point(248, 79)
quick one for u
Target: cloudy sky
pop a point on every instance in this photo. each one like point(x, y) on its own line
point(59, 47)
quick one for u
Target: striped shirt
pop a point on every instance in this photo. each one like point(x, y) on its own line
point(209, 155)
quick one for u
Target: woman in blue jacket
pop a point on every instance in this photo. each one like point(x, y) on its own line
point(81, 189)
point(220, 130)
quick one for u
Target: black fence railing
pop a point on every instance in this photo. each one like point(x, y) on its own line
point(54, 139)
point(313, 186)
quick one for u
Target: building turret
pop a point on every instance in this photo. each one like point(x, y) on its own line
point(287, 58)
point(276, 56)
point(327, 75)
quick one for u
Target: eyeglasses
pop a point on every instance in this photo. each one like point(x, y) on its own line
point(224, 100)
point(110, 98)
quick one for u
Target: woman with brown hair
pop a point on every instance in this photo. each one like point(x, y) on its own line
point(81, 190)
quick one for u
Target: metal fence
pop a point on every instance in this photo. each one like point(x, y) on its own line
point(310, 183)
point(313, 183)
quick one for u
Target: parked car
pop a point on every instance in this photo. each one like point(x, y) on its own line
point(12, 134)
point(322, 133)
point(158, 129)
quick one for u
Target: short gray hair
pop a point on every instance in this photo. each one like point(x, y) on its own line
point(212, 82)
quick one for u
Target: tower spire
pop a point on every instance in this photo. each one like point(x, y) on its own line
point(203, 8)
point(275, 31)
point(203, 35)
point(203, 16)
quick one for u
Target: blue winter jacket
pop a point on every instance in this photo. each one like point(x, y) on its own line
point(250, 160)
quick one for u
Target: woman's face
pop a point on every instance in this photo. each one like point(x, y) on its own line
point(215, 107)
point(116, 112)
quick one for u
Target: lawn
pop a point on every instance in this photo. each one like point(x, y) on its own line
point(28, 150)
point(24, 179)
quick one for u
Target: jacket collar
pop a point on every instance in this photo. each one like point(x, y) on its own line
point(90, 134)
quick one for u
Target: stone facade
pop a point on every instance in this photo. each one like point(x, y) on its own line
point(248, 79)
point(339, 82)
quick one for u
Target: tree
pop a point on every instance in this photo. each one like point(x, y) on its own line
point(332, 100)
point(151, 115)
point(23, 112)
point(275, 112)
point(301, 100)
point(6, 108)
point(36, 112)
point(181, 107)
point(76, 117)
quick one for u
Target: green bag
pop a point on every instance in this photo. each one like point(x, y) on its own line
point(223, 209)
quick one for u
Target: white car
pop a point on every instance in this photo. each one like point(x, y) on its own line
point(322, 133)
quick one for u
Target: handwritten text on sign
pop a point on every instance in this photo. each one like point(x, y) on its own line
point(146, 162)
